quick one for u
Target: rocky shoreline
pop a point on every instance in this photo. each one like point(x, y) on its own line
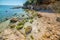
point(39, 26)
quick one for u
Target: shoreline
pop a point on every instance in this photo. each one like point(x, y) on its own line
point(4, 25)
point(42, 25)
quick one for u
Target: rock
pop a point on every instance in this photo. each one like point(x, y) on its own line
point(39, 15)
point(23, 15)
point(58, 19)
point(13, 20)
point(1, 38)
point(12, 25)
point(28, 29)
point(12, 34)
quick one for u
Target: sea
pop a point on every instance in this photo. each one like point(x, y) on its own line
point(7, 12)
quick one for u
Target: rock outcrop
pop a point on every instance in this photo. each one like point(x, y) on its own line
point(10, 34)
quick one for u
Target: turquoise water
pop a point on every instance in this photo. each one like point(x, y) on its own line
point(6, 11)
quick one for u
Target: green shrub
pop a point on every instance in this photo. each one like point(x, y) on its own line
point(19, 27)
point(21, 23)
point(25, 20)
point(30, 20)
point(32, 37)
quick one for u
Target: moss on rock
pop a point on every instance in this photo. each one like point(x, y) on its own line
point(31, 20)
point(28, 29)
point(19, 27)
point(12, 25)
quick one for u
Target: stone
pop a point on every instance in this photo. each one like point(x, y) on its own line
point(13, 20)
point(1, 38)
point(39, 15)
point(58, 19)
point(12, 34)
point(28, 29)
point(12, 25)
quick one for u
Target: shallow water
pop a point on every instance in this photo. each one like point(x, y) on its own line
point(7, 12)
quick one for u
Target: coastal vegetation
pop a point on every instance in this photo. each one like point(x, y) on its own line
point(31, 15)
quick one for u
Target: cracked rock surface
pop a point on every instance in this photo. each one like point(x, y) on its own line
point(44, 28)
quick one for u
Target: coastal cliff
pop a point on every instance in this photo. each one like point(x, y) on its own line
point(38, 5)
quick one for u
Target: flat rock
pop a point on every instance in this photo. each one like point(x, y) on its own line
point(10, 34)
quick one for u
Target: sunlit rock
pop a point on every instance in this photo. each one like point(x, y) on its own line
point(28, 29)
point(13, 20)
